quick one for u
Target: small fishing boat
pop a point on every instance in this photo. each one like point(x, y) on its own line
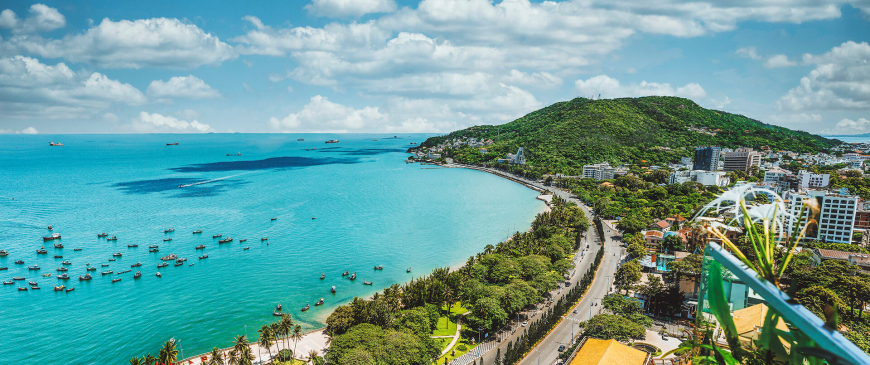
point(117, 254)
point(165, 264)
point(264, 239)
point(31, 282)
point(136, 264)
point(85, 278)
point(153, 246)
point(4, 253)
point(77, 249)
point(4, 268)
point(107, 272)
point(50, 227)
point(366, 282)
point(300, 139)
point(62, 269)
point(198, 231)
point(19, 262)
point(70, 289)
point(169, 230)
point(191, 264)
point(274, 219)
point(137, 275)
point(277, 314)
point(332, 141)
point(179, 263)
point(46, 275)
point(172, 144)
point(246, 248)
point(243, 240)
point(346, 273)
point(305, 308)
point(34, 267)
point(313, 217)
point(153, 250)
point(66, 262)
point(181, 260)
point(54, 236)
point(319, 302)
point(116, 280)
point(158, 274)
point(63, 277)
point(279, 307)
point(353, 277)
point(22, 289)
point(379, 267)
point(41, 251)
point(7, 282)
point(35, 287)
point(60, 288)
point(101, 235)
point(203, 257)
point(167, 239)
point(322, 276)
point(226, 240)
point(58, 256)
point(219, 235)
point(104, 265)
point(409, 270)
point(133, 245)
point(111, 260)
point(113, 238)
point(333, 289)
point(92, 269)
point(122, 272)
point(58, 245)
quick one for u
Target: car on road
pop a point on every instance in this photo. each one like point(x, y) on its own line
point(561, 348)
point(665, 336)
point(525, 323)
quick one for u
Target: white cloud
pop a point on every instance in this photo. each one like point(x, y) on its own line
point(538, 79)
point(748, 52)
point(157, 42)
point(840, 81)
point(28, 130)
point(718, 103)
point(185, 87)
point(31, 89)
point(779, 60)
point(273, 77)
point(157, 123)
point(848, 126)
point(611, 88)
point(349, 8)
point(322, 115)
point(42, 19)
point(248, 63)
point(111, 117)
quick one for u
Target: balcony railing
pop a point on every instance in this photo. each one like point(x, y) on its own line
point(806, 339)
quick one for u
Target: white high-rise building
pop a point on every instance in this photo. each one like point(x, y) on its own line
point(836, 215)
point(810, 180)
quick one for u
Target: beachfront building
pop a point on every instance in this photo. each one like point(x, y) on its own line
point(708, 178)
point(707, 158)
point(741, 159)
point(836, 217)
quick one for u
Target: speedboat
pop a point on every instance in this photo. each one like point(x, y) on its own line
point(136, 264)
point(169, 230)
point(322, 276)
point(264, 239)
point(19, 262)
point(62, 269)
point(66, 262)
point(165, 264)
point(319, 302)
point(167, 239)
point(158, 274)
point(366, 282)
point(86, 277)
point(107, 272)
point(101, 235)
point(54, 236)
point(274, 219)
point(243, 240)
point(197, 231)
point(63, 277)
point(306, 307)
point(41, 251)
point(353, 277)
point(217, 236)
point(70, 289)
point(113, 238)
point(116, 280)
point(58, 245)
point(92, 268)
point(226, 240)
point(34, 267)
point(203, 257)
point(60, 288)
point(117, 254)
point(133, 245)
point(200, 247)
point(333, 289)
point(137, 275)
point(153, 246)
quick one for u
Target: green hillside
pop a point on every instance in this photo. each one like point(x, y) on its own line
point(562, 137)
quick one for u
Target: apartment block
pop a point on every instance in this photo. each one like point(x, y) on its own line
point(707, 158)
point(741, 160)
point(836, 217)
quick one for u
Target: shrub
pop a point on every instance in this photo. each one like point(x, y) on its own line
point(462, 348)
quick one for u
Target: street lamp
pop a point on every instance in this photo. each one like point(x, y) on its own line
point(479, 328)
point(539, 355)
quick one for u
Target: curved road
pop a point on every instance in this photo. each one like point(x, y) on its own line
point(547, 351)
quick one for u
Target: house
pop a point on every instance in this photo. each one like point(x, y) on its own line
point(602, 352)
point(676, 220)
point(749, 322)
point(662, 225)
point(653, 238)
point(821, 254)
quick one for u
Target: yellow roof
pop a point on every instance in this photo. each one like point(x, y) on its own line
point(602, 352)
point(746, 320)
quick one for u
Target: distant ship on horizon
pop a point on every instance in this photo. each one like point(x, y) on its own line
point(172, 144)
point(300, 139)
point(55, 144)
point(332, 141)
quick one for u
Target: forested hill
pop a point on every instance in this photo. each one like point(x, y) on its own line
point(651, 130)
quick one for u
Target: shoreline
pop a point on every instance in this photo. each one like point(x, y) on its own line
point(315, 334)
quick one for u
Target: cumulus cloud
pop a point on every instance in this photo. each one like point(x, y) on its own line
point(41, 19)
point(28, 130)
point(848, 126)
point(157, 123)
point(322, 115)
point(349, 8)
point(184, 87)
point(840, 81)
point(537, 79)
point(157, 42)
point(748, 52)
point(611, 88)
point(31, 89)
point(111, 117)
point(779, 60)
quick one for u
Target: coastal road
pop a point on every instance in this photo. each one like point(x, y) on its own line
point(547, 351)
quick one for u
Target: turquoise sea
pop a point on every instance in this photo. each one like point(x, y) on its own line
point(371, 208)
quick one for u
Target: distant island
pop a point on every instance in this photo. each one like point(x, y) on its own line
point(847, 135)
point(655, 130)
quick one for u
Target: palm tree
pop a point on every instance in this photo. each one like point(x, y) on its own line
point(246, 357)
point(312, 356)
point(286, 326)
point(233, 358)
point(276, 333)
point(136, 361)
point(216, 357)
point(297, 335)
point(266, 338)
point(150, 359)
point(169, 353)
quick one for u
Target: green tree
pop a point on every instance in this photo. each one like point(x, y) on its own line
point(136, 361)
point(286, 325)
point(266, 338)
point(487, 313)
point(609, 326)
point(150, 359)
point(654, 288)
point(627, 275)
point(341, 320)
point(168, 353)
point(215, 357)
point(297, 335)
point(672, 243)
point(636, 250)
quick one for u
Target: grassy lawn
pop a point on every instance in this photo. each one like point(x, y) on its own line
point(446, 327)
point(443, 342)
point(450, 355)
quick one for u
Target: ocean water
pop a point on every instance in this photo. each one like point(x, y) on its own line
point(371, 208)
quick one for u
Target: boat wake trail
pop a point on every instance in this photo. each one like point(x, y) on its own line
point(213, 180)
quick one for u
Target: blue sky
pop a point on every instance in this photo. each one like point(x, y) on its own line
point(420, 66)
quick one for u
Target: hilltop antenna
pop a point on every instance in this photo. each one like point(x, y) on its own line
point(599, 96)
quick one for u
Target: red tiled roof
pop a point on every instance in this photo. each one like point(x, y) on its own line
point(836, 255)
point(662, 224)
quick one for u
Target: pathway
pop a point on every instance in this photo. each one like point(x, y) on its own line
point(455, 338)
